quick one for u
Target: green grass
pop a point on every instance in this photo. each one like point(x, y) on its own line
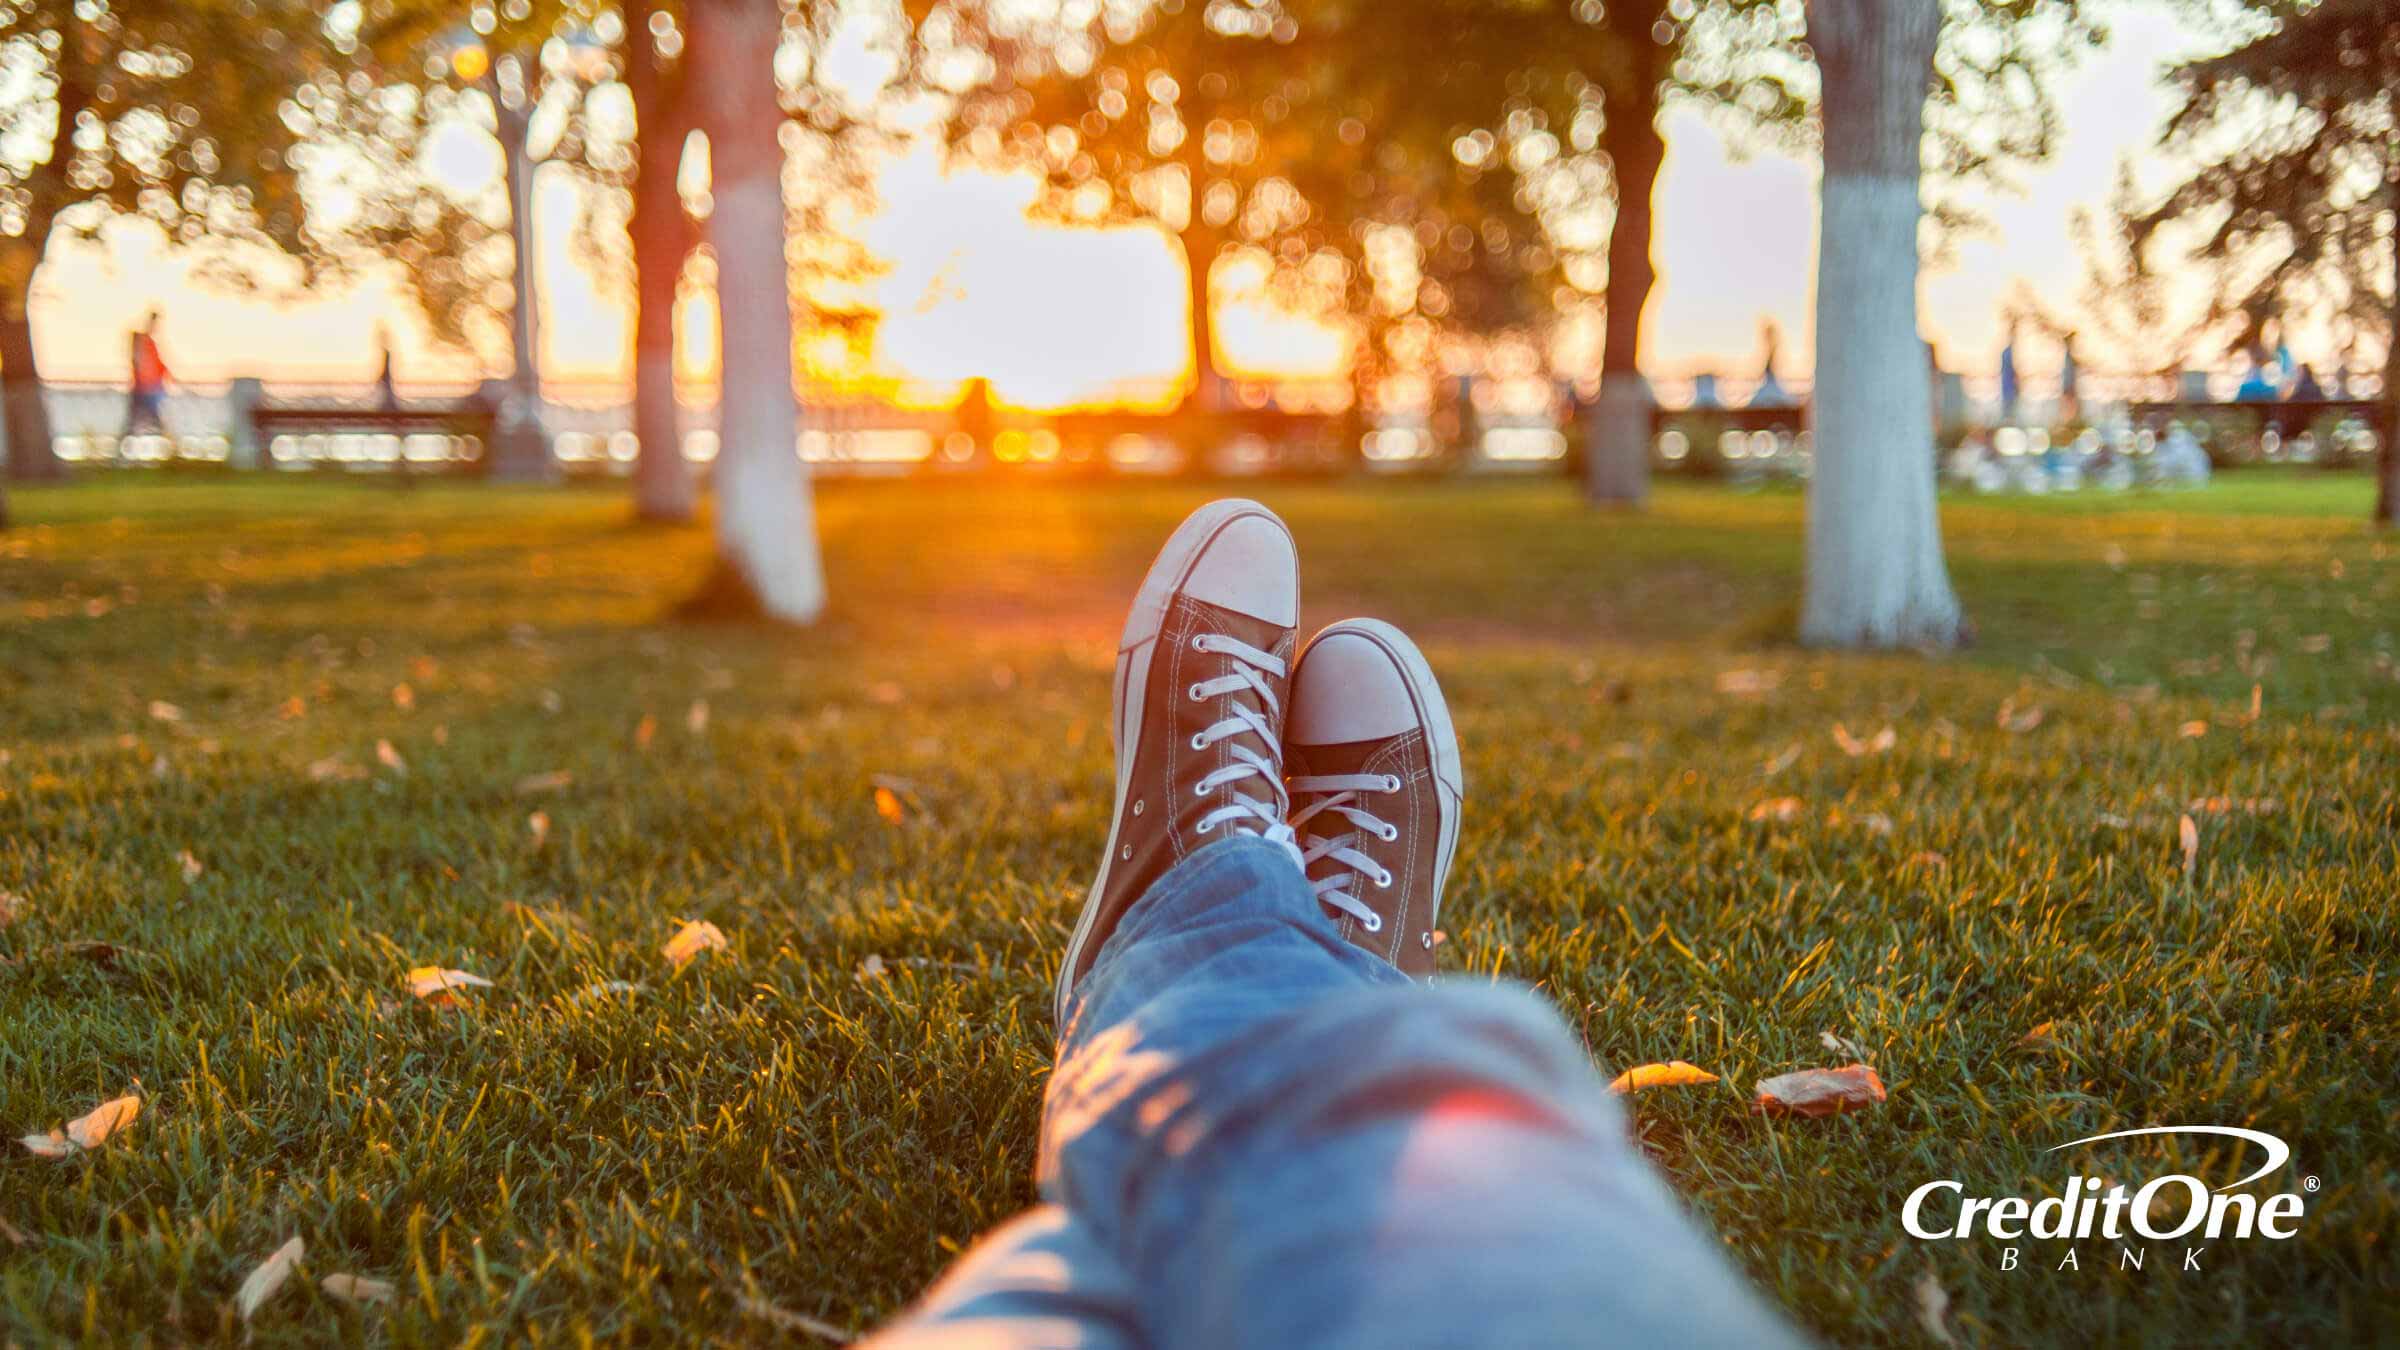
point(538, 1168)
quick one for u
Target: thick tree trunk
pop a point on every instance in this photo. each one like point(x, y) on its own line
point(1876, 576)
point(24, 416)
point(1616, 469)
point(2387, 440)
point(521, 449)
point(766, 520)
point(662, 240)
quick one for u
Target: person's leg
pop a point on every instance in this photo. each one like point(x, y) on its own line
point(1040, 1282)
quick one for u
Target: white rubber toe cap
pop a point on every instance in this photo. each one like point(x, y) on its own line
point(1354, 691)
point(1250, 567)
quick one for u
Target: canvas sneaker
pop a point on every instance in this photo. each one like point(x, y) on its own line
point(1376, 787)
point(1202, 672)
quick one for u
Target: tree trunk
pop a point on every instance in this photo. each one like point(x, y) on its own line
point(2387, 439)
point(661, 235)
point(521, 447)
point(1200, 245)
point(1876, 576)
point(23, 414)
point(766, 521)
point(1616, 467)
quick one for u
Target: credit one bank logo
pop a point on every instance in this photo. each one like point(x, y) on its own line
point(2174, 1208)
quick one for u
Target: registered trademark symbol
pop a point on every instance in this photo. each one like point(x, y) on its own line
point(2310, 1184)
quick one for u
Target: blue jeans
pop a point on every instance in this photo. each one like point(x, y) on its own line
point(1260, 1135)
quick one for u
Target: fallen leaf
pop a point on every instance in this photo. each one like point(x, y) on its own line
point(2040, 1035)
point(1843, 1045)
point(1933, 1309)
point(269, 1277)
point(192, 867)
point(552, 781)
point(403, 697)
point(1854, 747)
point(539, 824)
point(357, 1288)
point(2193, 730)
point(163, 711)
point(51, 1145)
point(390, 758)
point(644, 732)
point(1673, 1073)
point(12, 908)
point(2111, 820)
point(17, 1237)
point(292, 709)
point(696, 720)
point(2187, 831)
point(92, 1130)
point(434, 984)
point(1781, 762)
point(1783, 810)
point(872, 968)
point(335, 769)
point(1876, 822)
point(2020, 721)
point(696, 936)
point(887, 804)
point(1748, 683)
point(1819, 1092)
point(2317, 644)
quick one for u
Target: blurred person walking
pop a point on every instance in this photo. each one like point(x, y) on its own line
point(146, 399)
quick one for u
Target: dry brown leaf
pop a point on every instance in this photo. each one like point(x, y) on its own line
point(887, 804)
point(539, 824)
point(51, 1145)
point(358, 1289)
point(1673, 1073)
point(335, 769)
point(90, 1130)
point(552, 781)
point(1854, 747)
point(695, 721)
point(1819, 1092)
point(17, 1237)
point(696, 936)
point(1782, 810)
point(1843, 1045)
point(192, 867)
point(269, 1277)
point(2021, 720)
point(1748, 683)
point(2040, 1035)
point(1933, 1309)
point(163, 711)
point(644, 732)
point(2193, 730)
point(390, 758)
point(435, 985)
point(872, 968)
point(403, 697)
point(12, 907)
point(1781, 762)
point(2187, 832)
point(292, 709)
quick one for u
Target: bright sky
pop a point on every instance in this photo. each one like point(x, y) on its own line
point(1052, 314)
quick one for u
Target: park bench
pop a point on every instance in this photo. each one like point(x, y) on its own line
point(1789, 418)
point(466, 418)
point(2285, 419)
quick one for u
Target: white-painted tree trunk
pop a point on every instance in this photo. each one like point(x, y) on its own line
point(766, 520)
point(1876, 575)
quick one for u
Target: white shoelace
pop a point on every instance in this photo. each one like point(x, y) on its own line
point(1241, 811)
point(1340, 795)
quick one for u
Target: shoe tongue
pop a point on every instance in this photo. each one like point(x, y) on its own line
point(1273, 638)
point(1317, 760)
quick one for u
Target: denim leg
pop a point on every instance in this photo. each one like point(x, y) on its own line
point(1286, 1144)
point(1040, 1282)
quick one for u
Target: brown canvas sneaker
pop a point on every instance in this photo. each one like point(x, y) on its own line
point(1202, 672)
point(1376, 787)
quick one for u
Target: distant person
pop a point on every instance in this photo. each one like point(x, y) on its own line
point(2009, 387)
point(146, 400)
point(2257, 386)
point(2305, 388)
point(387, 392)
point(1704, 391)
point(1266, 1125)
point(1770, 392)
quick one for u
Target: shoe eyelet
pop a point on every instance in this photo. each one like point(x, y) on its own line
point(1194, 694)
point(1204, 827)
point(1199, 642)
point(1197, 742)
point(1373, 923)
point(1390, 833)
point(1391, 782)
point(1384, 882)
point(1204, 789)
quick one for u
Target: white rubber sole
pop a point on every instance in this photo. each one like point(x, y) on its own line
point(1441, 736)
point(1167, 575)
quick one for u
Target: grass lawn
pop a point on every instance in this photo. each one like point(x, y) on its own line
point(549, 1164)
